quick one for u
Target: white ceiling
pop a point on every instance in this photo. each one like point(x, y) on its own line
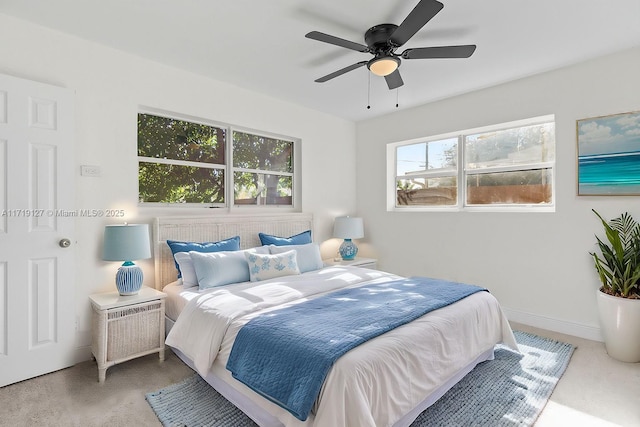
point(260, 44)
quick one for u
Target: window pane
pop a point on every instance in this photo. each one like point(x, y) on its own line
point(520, 187)
point(166, 138)
point(433, 155)
point(262, 189)
point(523, 145)
point(160, 183)
point(427, 191)
point(259, 152)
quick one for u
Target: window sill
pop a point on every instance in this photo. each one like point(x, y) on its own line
point(166, 210)
point(488, 209)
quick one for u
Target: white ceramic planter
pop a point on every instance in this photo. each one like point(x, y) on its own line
point(620, 325)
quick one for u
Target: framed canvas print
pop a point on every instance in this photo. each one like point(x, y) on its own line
point(609, 155)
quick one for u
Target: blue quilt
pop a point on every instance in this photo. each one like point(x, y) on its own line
point(286, 354)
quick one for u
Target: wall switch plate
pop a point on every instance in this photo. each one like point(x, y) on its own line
point(90, 170)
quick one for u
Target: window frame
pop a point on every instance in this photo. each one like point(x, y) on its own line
point(228, 169)
point(462, 173)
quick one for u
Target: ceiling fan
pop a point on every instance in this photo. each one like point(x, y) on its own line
point(382, 41)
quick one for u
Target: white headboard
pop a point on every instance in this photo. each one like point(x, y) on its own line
point(213, 229)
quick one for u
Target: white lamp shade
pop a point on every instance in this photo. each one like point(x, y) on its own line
point(126, 242)
point(346, 227)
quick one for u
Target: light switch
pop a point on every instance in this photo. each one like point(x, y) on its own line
point(90, 170)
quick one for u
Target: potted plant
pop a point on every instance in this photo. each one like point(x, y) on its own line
point(618, 266)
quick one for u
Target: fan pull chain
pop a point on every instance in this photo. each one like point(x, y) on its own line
point(369, 92)
point(397, 96)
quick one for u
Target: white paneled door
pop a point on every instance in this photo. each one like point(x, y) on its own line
point(37, 309)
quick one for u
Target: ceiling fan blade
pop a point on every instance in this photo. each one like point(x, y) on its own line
point(463, 51)
point(394, 80)
point(340, 72)
point(417, 18)
point(322, 37)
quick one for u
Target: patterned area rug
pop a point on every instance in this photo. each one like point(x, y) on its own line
point(508, 391)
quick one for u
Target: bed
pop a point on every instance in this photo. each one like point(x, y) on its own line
point(386, 381)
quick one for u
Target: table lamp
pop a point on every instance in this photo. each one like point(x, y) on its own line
point(127, 242)
point(347, 228)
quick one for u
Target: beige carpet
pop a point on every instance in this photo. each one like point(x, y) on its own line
point(594, 391)
point(73, 396)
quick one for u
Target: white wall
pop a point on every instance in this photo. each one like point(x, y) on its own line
point(110, 85)
point(536, 264)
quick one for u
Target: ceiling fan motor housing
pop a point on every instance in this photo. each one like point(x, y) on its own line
point(378, 38)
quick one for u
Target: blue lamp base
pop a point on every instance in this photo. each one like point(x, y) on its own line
point(348, 250)
point(129, 279)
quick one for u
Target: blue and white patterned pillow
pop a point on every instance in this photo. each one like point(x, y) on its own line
point(308, 256)
point(263, 267)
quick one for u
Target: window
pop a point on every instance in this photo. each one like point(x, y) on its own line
point(192, 162)
point(262, 170)
point(180, 161)
point(509, 165)
point(427, 173)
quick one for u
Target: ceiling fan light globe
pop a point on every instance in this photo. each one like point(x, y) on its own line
point(383, 66)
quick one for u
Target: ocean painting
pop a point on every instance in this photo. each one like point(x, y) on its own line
point(609, 155)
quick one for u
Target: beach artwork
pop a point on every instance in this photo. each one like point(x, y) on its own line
point(609, 155)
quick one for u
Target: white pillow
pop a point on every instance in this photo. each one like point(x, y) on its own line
point(263, 267)
point(187, 269)
point(221, 268)
point(308, 256)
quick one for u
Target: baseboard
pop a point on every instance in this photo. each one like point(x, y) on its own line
point(556, 325)
point(82, 354)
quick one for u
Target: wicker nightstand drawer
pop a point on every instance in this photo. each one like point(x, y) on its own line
point(126, 327)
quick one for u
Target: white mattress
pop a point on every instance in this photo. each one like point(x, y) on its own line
point(396, 372)
point(177, 297)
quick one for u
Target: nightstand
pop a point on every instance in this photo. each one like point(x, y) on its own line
point(357, 262)
point(126, 327)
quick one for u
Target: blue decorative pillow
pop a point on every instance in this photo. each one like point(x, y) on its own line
point(232, 244)
point(220, 268)
point(263, 267)
point(298, 239)
point(308, 256)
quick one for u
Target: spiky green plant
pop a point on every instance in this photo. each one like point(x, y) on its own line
point(619, 265)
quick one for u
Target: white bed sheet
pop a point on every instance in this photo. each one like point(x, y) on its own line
point(360, 390)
